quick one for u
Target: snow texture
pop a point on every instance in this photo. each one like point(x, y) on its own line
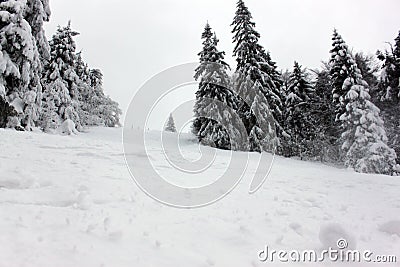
point(73, 203)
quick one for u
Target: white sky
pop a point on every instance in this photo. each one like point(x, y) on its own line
point(130, 41)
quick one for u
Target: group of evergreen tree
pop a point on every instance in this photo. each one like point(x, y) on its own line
point(44, 83)
point(343, 113)
point(255, 83)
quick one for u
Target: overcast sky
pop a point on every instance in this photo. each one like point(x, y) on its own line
point(130, 41)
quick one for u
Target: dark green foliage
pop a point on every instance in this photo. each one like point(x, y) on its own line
point(369, 67)
point(298, 115)
point(6, 111)
point(170, 126)
point(326, 143)
point(341, 64)
point(254, 67)
point(387, 95)
point(389, 87)
point(213, 93)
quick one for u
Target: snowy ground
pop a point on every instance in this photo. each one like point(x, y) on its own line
point(70, 201)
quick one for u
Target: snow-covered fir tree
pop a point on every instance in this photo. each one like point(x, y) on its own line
point(85, 92)
point(390, 76)
point(388, 94)
point(299, 124)
point(36, 13)
point(326, 143)
point(19, 63)
point(341, 65)
point(170, 125)
point(262, 136)
point(272, 87)
point(103, 111)
point(213, 125)
point(255, 72)
point(208, 45)
point(61, 80)
point(365, 140)
point(369, 67)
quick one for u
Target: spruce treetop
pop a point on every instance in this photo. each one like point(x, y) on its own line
point(212, 66)
point(63, 45)
point(342, 65)
point(246, 39)
point(299, 95)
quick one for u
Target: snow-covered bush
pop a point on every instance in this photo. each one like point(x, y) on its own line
point(67, 128)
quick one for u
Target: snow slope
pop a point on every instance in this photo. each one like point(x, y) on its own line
point(70, 201)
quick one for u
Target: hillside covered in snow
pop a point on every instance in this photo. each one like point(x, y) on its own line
point(70, 201)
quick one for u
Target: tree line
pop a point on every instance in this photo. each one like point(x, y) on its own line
point(347, 112)
point(45, 83)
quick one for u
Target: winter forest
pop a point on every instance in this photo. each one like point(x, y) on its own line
point(199, 133)
point(346, 112)
point(46, 84)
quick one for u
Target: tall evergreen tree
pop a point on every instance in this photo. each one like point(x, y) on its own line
point(210, 118)
point(61, 80)
point(262, 137)
point(20, 66)
point(390, 77)
point(341, 65)
point(85, 92)
point(365, 140)
point(326, 141)
point(102, 109)
point(273, 83)
point(170, 125)
point(36, 13)
point(388, 94)
point(255, 72)
point(299, 124)
point(369, 68)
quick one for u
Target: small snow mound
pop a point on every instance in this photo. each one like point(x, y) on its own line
point(331, 234)
point(391, 227)
point(67, 128)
